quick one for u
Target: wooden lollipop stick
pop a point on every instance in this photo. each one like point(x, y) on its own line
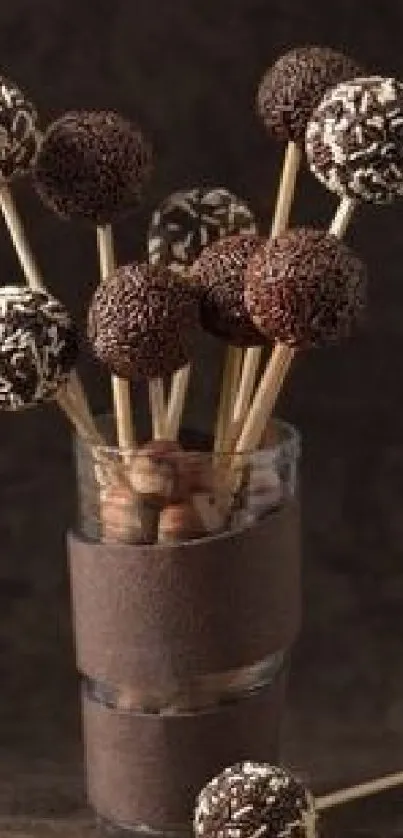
point(157, 404)
point(336, 798)
point(253, 355)
point(232, 369)
point(19, 239)
point(286, 190)
point(35, 282)
point(120, 386)
point(265, 397)
point(342, 217)
point(85, 428)
point(176, 403)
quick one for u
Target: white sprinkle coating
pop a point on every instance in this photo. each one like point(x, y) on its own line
point(259, 800)
point(190, 220)
point(38, 347)
point(354, 140)
point(19, 131)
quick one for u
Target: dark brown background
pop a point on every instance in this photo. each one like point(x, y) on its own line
point(188, 70)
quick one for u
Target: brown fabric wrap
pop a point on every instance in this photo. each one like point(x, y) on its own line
point(154, 616)
point(148, 769)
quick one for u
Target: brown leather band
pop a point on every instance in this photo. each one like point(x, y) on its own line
point(155, 617)
point(144, 771)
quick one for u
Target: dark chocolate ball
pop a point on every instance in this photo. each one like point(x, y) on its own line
point(92, 166)
point(38, 347)
point(305, 288)
point(19, 131)
point(142, 321)
point(354, 140)
point(292, 88)
point(220, 274)
point(252, 800)
point(192, 219)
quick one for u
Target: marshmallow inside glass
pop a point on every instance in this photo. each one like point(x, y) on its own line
point(184, 617)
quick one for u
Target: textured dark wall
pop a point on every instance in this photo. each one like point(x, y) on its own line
point(188, 70)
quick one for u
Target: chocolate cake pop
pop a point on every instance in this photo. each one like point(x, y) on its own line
point(38, 347)
point(220, 274)
point(19, 133)
point(292, 88)
point(354, 140)
point(143, 321)
point(192, 219)
point(306, 288)
point(92, 166)
point(253, 800)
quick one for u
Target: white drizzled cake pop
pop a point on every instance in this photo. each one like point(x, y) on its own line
point(190, 220)
point(255, 800)
point(354, 140)
point(38, 347)
point(19, 134)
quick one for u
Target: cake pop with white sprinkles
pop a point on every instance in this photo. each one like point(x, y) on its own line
point(354, 140)
point(293, 87)
point(38, 347)
point(306, 288)
point(254, 800)
point(219, 272)
point(143, 321)
point(92, 166)
point(190, 220)
point(19, 132)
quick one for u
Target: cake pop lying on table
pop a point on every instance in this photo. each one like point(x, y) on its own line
point(38, 347)
point(255, 800)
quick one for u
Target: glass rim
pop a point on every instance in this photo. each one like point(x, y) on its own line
point(289, 442)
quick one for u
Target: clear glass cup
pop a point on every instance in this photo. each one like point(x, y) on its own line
point(164, 492)
point(217, 672)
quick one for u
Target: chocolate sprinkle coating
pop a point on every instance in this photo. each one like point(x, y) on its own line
point(220, 274)
point(92, 166)
point(38, 347)
point(19, 132)
point(306, 288)
point(142, 321)
point(291, 90)
point(190, 220)
point(354, 141)
point(252, 800)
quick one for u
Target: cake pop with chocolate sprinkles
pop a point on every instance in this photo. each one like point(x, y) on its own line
point(255, 800)
point(219, 272)
point(92, 166)
point(19, 132)
point(190, 220)
point(293, 87)
point(38, 347)
point(142, 323)
point(354, 140)
point(306, 288)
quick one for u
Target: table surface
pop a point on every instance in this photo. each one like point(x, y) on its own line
point(380, 816)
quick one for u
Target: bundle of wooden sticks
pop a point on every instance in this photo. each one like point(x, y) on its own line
point(208, 268)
